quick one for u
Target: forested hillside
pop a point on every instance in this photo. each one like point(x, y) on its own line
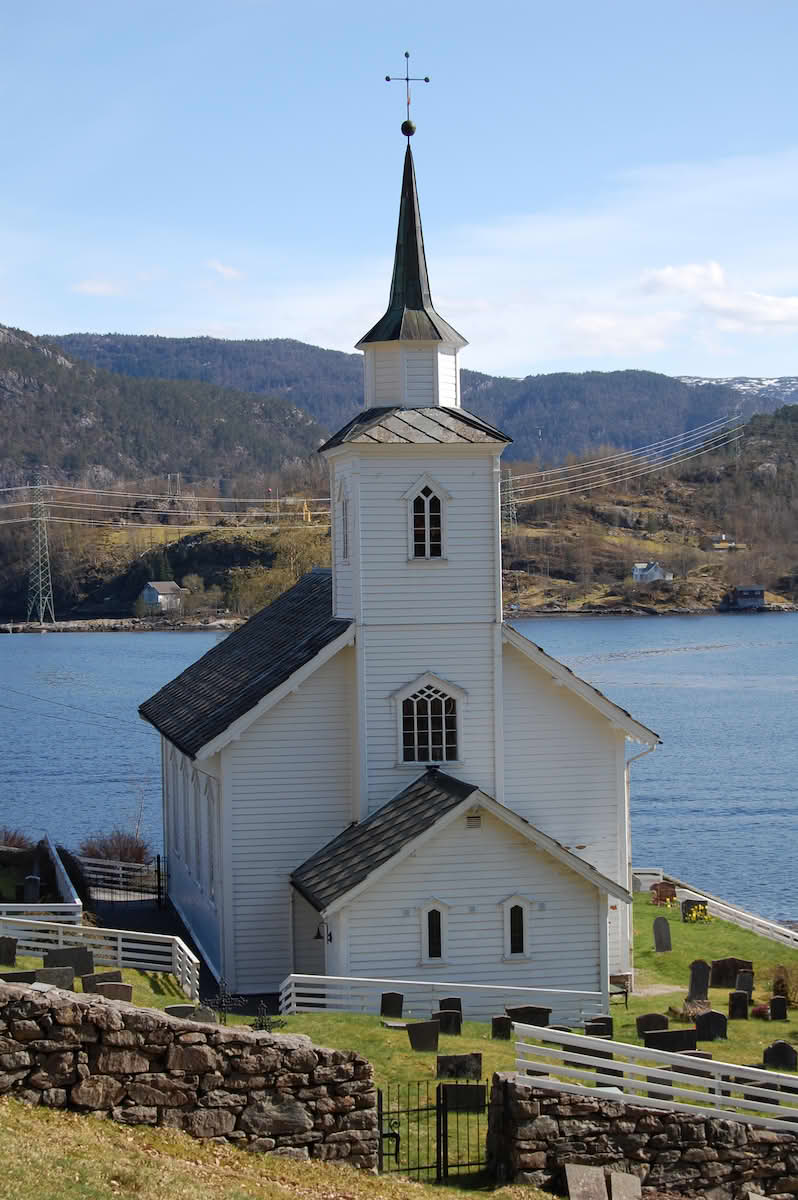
point(548, 416)
point(84, 423)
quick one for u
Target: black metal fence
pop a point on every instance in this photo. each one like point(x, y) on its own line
point(431, 1130)
point(111, 880)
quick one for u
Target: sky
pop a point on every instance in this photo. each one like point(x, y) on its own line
point(602, 186)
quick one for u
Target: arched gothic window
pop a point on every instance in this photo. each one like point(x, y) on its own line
point(434, 922)
point(429, 726)
point(426, 520)
point(515, 911)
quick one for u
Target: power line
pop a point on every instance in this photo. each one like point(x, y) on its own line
point(63, 704)
point(40, 587)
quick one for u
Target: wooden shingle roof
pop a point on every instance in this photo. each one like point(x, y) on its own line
point(415, 426)
point(349, 858)
point(227, 682)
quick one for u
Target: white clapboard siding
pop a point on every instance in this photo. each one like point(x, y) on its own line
point(385, 376)
point(448, 378)
point(473, 871)
point(308, 949)
point(460, 654)
point(461, 589)
point(563, 772)
point(289, 780)
point(419, 368)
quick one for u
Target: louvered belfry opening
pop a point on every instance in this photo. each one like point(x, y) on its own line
point(427, 525)
point(429, 726)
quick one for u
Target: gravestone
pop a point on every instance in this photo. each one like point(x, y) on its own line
point(670, 1039)
point(60, 977)
point(8, 951)
point(423, 1035)
point(781, 1055)
point(738, 1006)
point(451, 1002)
point(662, 892)
point(31, 889)
point(189, 1012)
point(688, 906)
point(561, 1028)
point(778, 1008)
point(745, 983)
point(459, 1066)
point(649, 1022)
point(724, 971)
point(18, 976)
point(585, 1183)
point(463, 1097)
point(449, 1020)
point(78, 957)
point(710, 1026)
point(116, 991)
point(599, 1027)
point(528, 1014)
point(391, 1004)
point(599, 1054)
point(662, 935)
point(624, 1187)
point(501, 1028)
point(387, 1023)
point(780, 985)
point(174, 1010)
point(90, 982)
point(699, 981)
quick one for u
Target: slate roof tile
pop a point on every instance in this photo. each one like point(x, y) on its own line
point(236, 674)
point(416, 426)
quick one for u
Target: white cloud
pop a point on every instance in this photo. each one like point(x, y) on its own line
point(222, 269)
point(736, 310)
point(692, 277)
point(97, 287)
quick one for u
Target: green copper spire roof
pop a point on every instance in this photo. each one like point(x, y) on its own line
point(410, 315)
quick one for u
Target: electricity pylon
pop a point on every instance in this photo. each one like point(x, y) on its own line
point(508, 505)
point(40, 588)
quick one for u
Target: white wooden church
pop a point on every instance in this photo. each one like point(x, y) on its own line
point(377, 757)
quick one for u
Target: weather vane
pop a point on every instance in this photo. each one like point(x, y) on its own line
point(408, 128)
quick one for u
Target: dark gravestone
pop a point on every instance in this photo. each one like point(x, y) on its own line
point(599, 1070)
point(738, 1006)
point(662, 935)
point(423, 1035)
point(60, 977)
point(77, 957)
point(599, 1027)
point(451, 1002)
point(501, 1028)
point(31, 889)
point(778, 1008)
point(650, 1022)
point(464, 1097)
point(699, 981)
point(710, 1026)
point(459, 1066)
point(528, 1014)
point(8, 951)
point(689, 905)
point(449, 1020)
point(782, 1056)
point(724, 971)
point(18, 976)
point(745, 983)
point(670, 1039)
point(186, 1011)
point(391, 1004)
point(116, 991)
point(780, 985)
point(90, 982)
point(585, 1183)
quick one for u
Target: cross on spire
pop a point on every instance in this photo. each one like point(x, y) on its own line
point(408, 128)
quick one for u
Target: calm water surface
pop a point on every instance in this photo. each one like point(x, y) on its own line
point(715, 804)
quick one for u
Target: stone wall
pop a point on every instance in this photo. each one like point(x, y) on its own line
point(267, 1092)
point(533, 1133)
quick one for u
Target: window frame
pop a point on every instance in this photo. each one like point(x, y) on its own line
point(405, 693)
point(409, 497)
point(346, 534)
point(507, 905)
point(441, 907)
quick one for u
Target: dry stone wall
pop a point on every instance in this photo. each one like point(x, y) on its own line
point(533, 1133)
point(268, 1092)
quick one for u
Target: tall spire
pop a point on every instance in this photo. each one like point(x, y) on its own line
point(410, 315)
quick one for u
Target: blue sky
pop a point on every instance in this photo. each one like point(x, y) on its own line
point(602, 186)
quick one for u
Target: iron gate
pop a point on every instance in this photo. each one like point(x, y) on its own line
point(432, 1130)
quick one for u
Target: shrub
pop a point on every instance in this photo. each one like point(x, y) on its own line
point(15, 838)
point(119, 845)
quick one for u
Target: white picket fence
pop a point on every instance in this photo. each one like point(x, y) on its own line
point(329, 993)
point(567, 1062)
point(112, 947)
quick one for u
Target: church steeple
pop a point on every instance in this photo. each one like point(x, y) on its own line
point(410, 315)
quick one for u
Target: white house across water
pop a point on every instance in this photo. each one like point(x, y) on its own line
point(375, 776)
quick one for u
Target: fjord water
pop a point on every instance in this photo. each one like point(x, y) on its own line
point(716, 804)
